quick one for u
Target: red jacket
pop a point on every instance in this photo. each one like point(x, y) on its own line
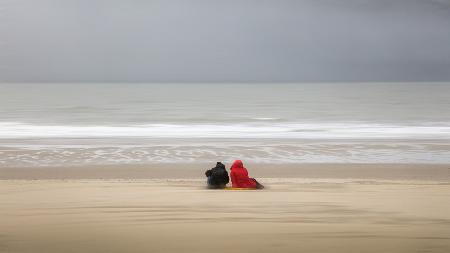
point(239, 176)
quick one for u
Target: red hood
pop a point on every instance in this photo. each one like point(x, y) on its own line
point(237, 164)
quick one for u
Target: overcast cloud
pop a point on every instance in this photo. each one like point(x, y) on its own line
point(226, 40)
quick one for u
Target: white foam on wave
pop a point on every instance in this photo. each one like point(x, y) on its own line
point(275, 153)
point(265, 118)
point(292, 130)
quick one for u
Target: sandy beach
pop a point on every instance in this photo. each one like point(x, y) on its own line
point(351, 208)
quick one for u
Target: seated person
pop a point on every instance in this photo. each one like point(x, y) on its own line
point(217, 176)
point(240, 179)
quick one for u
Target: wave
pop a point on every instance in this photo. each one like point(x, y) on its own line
point(378, 152)
point(267, 118)
point(290, 130)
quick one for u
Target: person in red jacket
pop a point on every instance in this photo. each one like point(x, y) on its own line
point(240, 179)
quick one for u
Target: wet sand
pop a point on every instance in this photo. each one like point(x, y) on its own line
point(331, 210)
point(436, 172)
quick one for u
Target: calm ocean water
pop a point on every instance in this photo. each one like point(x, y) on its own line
point(70, 124)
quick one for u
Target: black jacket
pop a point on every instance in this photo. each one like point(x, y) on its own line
point(218, 175)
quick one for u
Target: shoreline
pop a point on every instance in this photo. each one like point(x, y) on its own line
point(426, 172)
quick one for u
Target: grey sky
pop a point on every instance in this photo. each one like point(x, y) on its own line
point(226, 40)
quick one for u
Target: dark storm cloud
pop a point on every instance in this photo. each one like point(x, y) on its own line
point(211, 40)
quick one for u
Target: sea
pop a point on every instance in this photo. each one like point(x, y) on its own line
point(77, 124)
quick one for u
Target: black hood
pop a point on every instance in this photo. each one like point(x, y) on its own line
point(220, 165)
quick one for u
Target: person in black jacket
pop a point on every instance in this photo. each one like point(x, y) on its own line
point(217, 176)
